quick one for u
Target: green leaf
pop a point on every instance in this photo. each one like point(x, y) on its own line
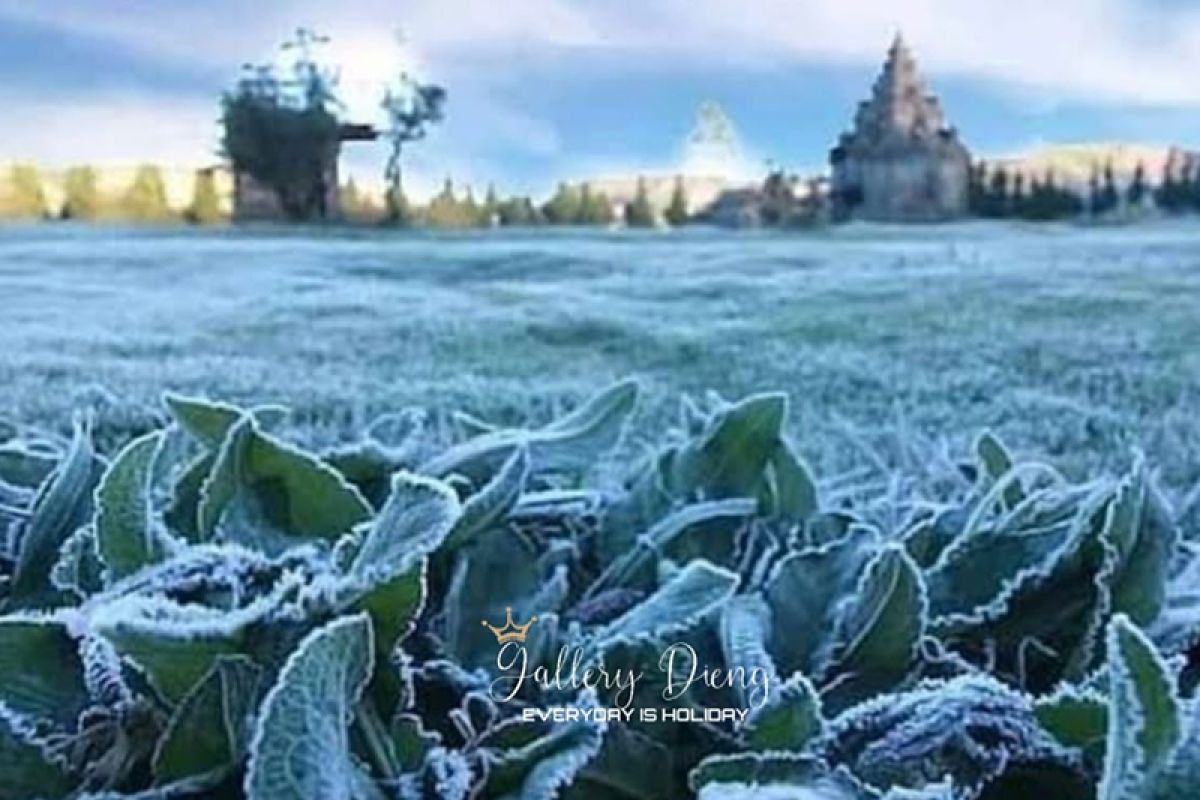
point(1143, 714)
point(876, 634)
point(127, 537)
point(1076, 718)
point(997, 462)
point(795, 492)
point(691, 593)
point(804, 592)
point(173, 644)
point(1139, 527)
point(790, 719)
point(394, 606)
point(415, 520)
point(497, 572)
point(290, 491)
point(25, 769)
point(490, 504)
point(209, 421)
point(41, 672)
point(541, 767)
point(731, 456)
point(64, 503)
point(572, 442)
point(209, 732)
point(301, 744)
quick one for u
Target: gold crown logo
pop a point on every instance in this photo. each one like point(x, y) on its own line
point(510, 631)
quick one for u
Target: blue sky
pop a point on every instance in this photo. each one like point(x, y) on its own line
point(542, 89)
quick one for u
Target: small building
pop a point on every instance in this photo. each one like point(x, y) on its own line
point(254, 202)
point(901, 162)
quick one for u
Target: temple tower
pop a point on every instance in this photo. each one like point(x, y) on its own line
point(901, 162)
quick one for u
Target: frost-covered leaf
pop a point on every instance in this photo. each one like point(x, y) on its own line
point(127, 535)
point(277, 485)
point(63, 504)
point(26, 771)
point(301, 746)
point(744, 629)
point(877, 632)
point(630, 766)
point(804, 592)
point(546, 761)
point(1179, 777)
point(1140, 528)
point(997, 462)
point(41, 672)
point(795, 490)
point(394, 606)
point(413, 523)
point(1076, 718)
point(691, 593)
point(489, 505)
point(210, 729)
point(176, 644)
point(1143, 714)
point(971, 729)
point(208, 421)
point(572, 442)
point(730, 457)
point(26, 464)
point(78, 569)
point(498, 572)
point(790, 719)
point(769, 776)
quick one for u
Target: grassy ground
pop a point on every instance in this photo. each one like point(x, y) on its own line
point(893, 344)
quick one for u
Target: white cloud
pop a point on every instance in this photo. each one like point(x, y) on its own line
point(111, 129)
point(1122, 51)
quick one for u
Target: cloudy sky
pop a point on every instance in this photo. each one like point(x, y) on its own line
point(546, 88)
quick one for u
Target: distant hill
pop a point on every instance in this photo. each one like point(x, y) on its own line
point(1074, 163)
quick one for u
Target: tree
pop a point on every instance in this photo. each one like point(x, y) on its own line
point(446, 211)
point(519, 212)
point(282, 132)
point(489, 212)
point(1110, 198)
point(81, 194)
point(412, 108)
point(26, 198)
point(977, 194)
point(594, 208)
point(676, 214)
point(146, 198)
point(357, 205)
point(564, 207)
point(1095, 203)
point(1136, 192)
point(638, 212)
point(997, 194)
point(205, 207)
point(1019, 201)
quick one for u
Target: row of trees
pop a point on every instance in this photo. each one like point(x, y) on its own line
point(999, 193)
point(571, 204)
point(144, 200)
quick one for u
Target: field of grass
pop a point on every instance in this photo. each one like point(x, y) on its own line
point(896, 346)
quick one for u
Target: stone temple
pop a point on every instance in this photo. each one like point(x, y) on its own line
point(901, 162)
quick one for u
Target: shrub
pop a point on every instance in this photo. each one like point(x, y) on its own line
point(214, 611)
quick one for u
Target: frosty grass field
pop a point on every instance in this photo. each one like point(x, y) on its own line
point(894, 344)
point(228, 602)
